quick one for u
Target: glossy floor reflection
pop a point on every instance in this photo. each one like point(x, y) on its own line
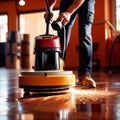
point(101, 103)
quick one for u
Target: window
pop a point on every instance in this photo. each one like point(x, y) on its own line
point(34, 23)
point(3, 27)
point(118, 15)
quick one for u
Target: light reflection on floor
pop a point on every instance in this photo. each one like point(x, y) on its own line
point(85, 102)
point(69, 100)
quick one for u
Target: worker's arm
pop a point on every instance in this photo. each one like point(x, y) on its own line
point(64, 17)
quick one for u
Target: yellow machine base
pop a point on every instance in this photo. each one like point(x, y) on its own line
point(46, 81)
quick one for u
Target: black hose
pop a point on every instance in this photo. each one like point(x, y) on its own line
point(48, 18)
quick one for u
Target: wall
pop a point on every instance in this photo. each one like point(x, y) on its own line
point(101, 30)
point(10, 9)
point(36, 5)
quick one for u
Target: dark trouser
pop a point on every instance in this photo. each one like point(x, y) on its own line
point(86, 15)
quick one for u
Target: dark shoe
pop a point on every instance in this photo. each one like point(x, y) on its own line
point(87, 81)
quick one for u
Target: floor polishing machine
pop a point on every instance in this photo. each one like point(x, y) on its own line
point(47, 76)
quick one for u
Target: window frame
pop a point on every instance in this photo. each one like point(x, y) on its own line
point(114, 15)
point(6, 14)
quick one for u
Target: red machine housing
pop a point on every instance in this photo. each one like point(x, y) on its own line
point(47, 52)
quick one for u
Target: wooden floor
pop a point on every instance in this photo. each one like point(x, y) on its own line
point(101, 103)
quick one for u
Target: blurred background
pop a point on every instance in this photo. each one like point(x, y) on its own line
point(22, 20)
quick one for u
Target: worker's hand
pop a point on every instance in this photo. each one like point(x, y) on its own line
point(64, 17)
point(46, 16)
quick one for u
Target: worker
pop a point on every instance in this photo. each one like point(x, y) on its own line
point(69, 9)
